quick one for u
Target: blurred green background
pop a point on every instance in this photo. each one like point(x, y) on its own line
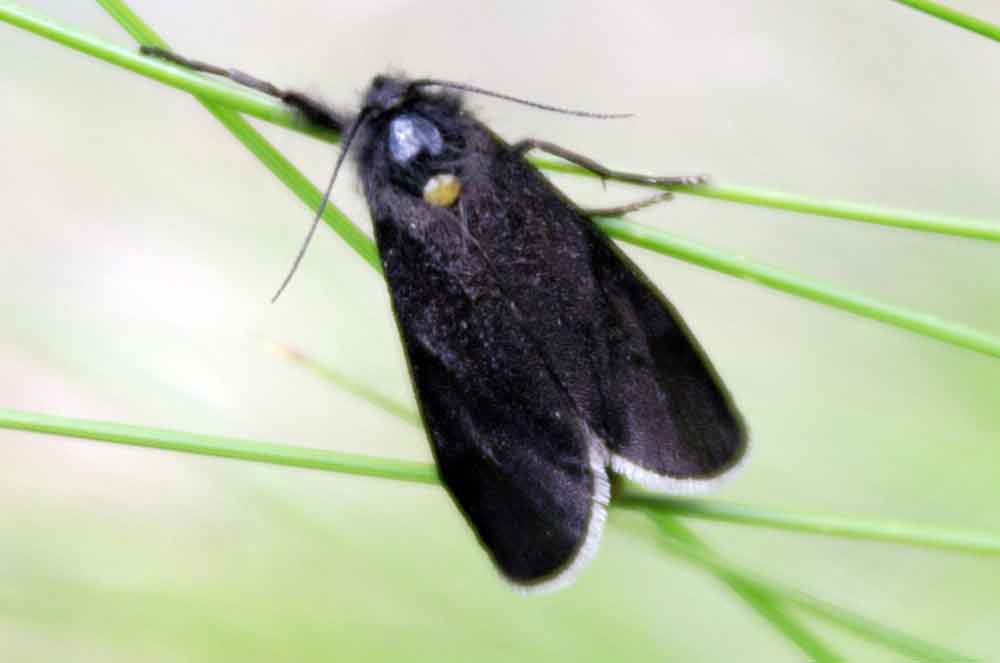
point(141, 245)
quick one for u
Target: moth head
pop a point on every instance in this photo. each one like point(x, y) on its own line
point(387, 93)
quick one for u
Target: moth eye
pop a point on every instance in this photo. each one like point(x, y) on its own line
point(442, 190)
point(410, 134)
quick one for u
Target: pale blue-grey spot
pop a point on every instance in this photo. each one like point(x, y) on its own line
point(411, 134)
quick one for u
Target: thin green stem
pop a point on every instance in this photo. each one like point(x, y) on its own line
point(897, 316)
point(224, 101)
point(219, 446)
point(825, 524)
point(213, 90)
point(932, 223)
point(790, 626)
point(955, 17)
point(352, 385)
point(676, 540)
point(271, 110)
point(320, 459)
point(659, 241)
point(758, 597)
point(986, 543)
point(332, 461)
point(246, 134)
point(298, 183)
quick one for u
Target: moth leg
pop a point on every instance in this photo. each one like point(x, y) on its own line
point(621, 210)
point(598, 169)
point(315, 111)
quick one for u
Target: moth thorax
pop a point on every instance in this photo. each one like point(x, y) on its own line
point(442, 190)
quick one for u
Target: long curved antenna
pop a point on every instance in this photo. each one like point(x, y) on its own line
point(322, 206)
point(424, 82)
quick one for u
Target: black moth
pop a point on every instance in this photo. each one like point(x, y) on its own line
point(541, 356)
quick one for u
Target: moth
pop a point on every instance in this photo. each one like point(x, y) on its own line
point(542, 358)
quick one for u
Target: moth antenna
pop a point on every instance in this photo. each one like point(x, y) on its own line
point(424, 82)
point(355, 126)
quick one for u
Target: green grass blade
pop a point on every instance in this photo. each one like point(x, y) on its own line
point(219, 446)
point(271, 110)
point(872, 631)
point(352, 385)
point(299, 184)
point(931, 223)
point(986, 543)
point(908, 220)
point(221, 99)
point(784, 621)
point(920, 221)
point(762, 603)
point(920, 323)
point(333, 461)
point(766, 604)
point(955, 17)
point(825, 524)
point(258, 145)
point(207, 89)
point(770, 600)
point(656, 240)
point(677, 541)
